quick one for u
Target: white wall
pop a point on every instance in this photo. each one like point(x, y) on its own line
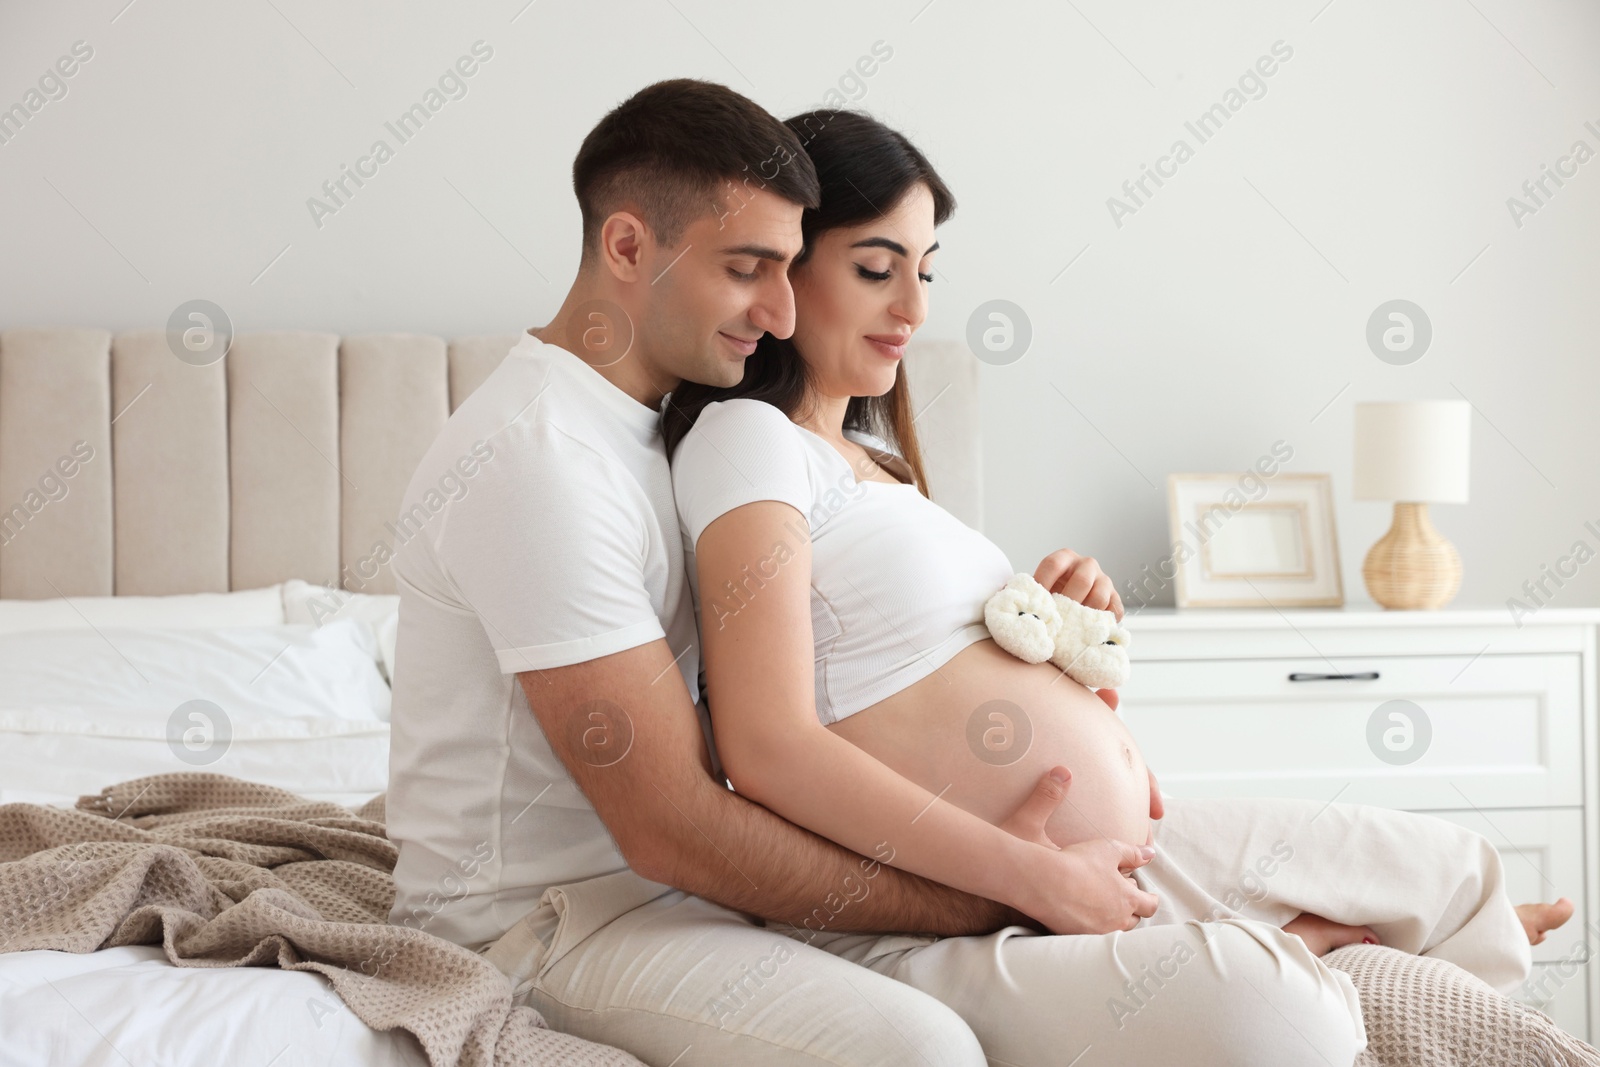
point(1227, 313)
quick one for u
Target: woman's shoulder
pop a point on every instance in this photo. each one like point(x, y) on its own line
point(737, 452)
point(740, 432)
point(741, 422)
point(743, 411)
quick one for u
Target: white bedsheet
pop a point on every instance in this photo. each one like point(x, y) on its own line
point(129, 1005)
point(74, 718)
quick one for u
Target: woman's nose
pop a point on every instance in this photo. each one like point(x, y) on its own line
point(912, 304)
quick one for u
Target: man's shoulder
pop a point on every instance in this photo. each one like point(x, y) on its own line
point(527, 417)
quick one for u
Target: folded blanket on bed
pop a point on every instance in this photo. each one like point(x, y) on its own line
point(1423, 1012)
point(226, 873)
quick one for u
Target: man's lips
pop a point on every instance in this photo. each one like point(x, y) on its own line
point(740, 345)
point(891, 345)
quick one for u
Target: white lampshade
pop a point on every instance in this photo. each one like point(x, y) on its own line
point(1414, 450)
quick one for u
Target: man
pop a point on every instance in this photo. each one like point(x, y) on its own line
point(551, 789)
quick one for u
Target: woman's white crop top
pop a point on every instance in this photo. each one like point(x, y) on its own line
point(898, 584)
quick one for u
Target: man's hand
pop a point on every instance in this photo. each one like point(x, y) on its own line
point(1027, 822)
point(1100, 902)
point(1078, 578)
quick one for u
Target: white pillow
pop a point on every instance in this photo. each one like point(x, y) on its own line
point(255, 673)
point(248, 607)
point(317, 604)
point(300, 707)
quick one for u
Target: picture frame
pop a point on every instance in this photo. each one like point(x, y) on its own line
point(1251, 541)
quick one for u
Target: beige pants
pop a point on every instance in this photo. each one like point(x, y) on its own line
point(1210, 979)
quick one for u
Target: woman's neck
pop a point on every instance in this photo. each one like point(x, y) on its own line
point(824, 415)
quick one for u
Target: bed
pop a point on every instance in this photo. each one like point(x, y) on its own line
point(191, 579)
point(192, 589)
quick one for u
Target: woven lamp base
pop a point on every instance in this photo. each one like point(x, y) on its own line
point(1412, 567)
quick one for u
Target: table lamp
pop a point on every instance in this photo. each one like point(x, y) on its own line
point(1412, 452)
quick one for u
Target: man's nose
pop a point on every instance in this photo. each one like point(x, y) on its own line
point(774, 311)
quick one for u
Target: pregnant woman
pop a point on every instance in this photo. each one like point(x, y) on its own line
point(852, 684)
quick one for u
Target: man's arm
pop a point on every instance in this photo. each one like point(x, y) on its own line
point(625, 729)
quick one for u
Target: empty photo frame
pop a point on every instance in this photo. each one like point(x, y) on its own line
point(1244, 541)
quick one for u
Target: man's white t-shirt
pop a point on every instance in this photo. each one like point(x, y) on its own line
point(561, 545)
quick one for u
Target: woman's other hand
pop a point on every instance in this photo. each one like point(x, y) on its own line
point(1157, 808)
point(1079, 578)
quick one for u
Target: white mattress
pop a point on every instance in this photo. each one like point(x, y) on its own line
point(129, 1005)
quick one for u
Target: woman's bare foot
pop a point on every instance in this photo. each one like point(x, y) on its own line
point(1322, 936)
point(1538, 919)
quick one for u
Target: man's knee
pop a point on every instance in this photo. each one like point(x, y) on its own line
point(1272, 1002)
point(927, 1034)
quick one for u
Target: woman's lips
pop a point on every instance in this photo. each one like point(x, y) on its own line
point(893, 347)
point(740, 345)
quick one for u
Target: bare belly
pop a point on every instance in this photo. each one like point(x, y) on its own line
point(983, 729)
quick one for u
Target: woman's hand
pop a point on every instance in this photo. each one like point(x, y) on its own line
point(1078, 578)
point(1091, 888)
point(1157, 808)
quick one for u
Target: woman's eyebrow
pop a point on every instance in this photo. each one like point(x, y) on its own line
point(894, 246)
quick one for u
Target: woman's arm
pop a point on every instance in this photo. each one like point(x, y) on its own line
point(758, 654)
point(675, 824)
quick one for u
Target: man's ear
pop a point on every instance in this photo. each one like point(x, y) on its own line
point(625, 244)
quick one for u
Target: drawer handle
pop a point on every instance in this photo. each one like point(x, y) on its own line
point(1363, 676)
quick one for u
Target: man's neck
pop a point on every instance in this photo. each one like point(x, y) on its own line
point(599, 331)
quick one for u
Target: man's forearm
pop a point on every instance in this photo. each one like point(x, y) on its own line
point(677, 824)
point(736, 853)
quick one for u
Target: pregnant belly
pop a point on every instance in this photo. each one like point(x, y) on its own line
point(982, 729)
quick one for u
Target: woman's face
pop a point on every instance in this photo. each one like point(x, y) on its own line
point(861, 295)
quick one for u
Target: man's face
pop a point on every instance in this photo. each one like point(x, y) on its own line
point(725, 283)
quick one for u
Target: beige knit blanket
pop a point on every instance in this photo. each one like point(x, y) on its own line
point(1422, 1012)
point(226, 873)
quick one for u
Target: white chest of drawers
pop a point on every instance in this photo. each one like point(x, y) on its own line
point(1492, 725)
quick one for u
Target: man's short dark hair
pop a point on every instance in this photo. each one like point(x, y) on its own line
point(683, 148)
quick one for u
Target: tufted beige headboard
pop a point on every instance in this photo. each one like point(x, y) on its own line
point(283, 460)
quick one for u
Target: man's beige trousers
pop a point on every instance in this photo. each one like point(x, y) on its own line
point(1209, 981)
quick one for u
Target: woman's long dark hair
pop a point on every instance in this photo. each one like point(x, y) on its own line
point(865, 169)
